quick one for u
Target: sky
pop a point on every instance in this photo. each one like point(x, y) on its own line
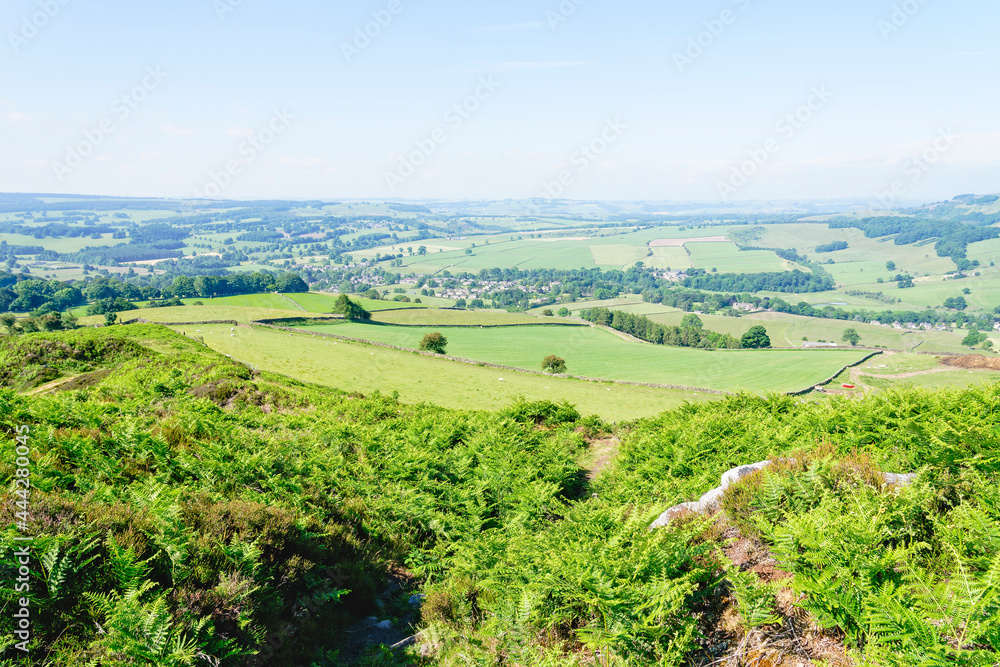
point(727, 100)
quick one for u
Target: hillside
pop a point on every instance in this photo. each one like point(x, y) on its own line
point(188, 510)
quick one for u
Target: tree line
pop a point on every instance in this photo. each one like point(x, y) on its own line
point(690, 333)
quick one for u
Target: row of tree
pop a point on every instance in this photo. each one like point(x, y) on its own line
point(690, 333)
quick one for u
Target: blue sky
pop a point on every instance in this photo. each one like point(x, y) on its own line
point(263, 99)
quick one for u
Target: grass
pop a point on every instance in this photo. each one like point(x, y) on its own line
point(358, 367)
point(433, 316)
point(727, 258)
point(596, 353)
point(200, 313)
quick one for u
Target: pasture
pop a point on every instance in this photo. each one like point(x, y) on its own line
point(596, 353)
point(359, 367)
point(433, 316)
point(787, 331)
point(605, 248)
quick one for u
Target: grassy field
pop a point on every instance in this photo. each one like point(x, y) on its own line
point(727, 258)
point(596, 353)
point(606, 248)
point(420, 379)
point(787, 331)
point(431, 316)
point(200, 313)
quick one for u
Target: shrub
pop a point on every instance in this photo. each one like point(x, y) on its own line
point(434, 342)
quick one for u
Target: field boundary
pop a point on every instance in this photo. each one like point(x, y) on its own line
point(834, 376)
point(468, 326)
point(140, 320)
point(486, 364)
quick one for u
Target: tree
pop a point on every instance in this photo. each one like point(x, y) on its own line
point(890, 266)
point(692, 321)
point(974, 338)
point(110, 319)
point(548, 312)
point(434, 342)
point(851, 336)
point(7, 320)
point(291, 283)
point(350, 310)
point(422, 250)
point(956, 303)
point(564, 312)
point(554, 364)
point(755, 339)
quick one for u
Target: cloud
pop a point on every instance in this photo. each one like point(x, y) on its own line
point(239, 132)
point(509, 27)
point(175, 130)
point(17, 116)
point(149, 155)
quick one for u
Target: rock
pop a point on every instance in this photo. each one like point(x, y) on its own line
point(417, 600)
point(409, 641)
point(899, 480)
point(384, 625)
point(736, 474)
point(710, 501)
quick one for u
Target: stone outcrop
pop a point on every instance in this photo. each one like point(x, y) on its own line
point(711, 500)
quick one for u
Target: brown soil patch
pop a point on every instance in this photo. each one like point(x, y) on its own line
point(750, 554)
point(796, 641)
point(973, 361)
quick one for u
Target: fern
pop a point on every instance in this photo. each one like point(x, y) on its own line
point(755, 600)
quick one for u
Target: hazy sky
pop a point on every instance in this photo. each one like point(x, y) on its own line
point(584, 99)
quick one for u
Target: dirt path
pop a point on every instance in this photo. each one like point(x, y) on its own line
point(622, 335)
point(600, 455)
point(52, 385)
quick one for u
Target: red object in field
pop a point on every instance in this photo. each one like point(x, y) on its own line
point(849, 386)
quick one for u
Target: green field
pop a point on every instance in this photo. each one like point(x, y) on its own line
point(727, 258)
point(200, 314)
point(421, 379)
point(460, 317)
point(604, 248)
point(592, 352)
point(787, 331)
